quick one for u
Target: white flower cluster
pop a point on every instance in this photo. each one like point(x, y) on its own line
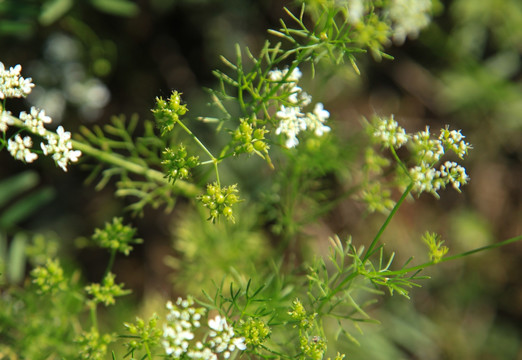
point(409, 18)
point(222, 337)
point(388, 132)
point(427, 149)
point(427, 179)
point(20, 148)
point(292, 120)
point(454, 141)
point(5, 120)
point(12, 84)
point(427, 152)
point(35, 120)
point(59, 145)
point(355, 11)
point(178, 333)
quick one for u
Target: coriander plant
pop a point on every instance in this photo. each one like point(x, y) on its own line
point(246, 284)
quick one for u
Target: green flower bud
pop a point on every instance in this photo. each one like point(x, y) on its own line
point(259, 134)
point(227, 211)
point(220, 198)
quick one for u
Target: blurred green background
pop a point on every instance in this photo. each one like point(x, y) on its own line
point(94, 59)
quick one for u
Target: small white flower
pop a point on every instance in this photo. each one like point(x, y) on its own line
point(275, 75)
point(455, 174)
point(5, 120)
point(60, 147)
point(35, 121)
point(278, 75)
point(12, 84)
point(425, 178)
point(217, 324)
point(295, 95)
point(425, 148)
point(239, 343)
point(316, 120)
point(454, 140)
point(355, 11)
point(409, 18)
point(295, 75)
point(20, 148)
point(388, 132)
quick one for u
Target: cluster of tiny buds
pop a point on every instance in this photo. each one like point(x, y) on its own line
point(250, 140)
point(177, 163)
point(168, 112)
point(220, 201)
point(292, 120)
point(59, 145)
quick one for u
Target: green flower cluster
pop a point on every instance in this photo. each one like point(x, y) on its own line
point(49, 278)
point(250, 140)
point(167, 112)
point(299, 314)
point(116, 236)
point(105, 292)
point(93, 345)
point(177, 163)
point(437, 250)
point(312, 347)
point(143, 334)
point(220, 201)
point(255, 332)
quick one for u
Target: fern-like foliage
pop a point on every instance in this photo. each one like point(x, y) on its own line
point(134, 161)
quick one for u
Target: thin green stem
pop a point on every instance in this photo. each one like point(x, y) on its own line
point(195, 138)
point(371, 250)
point(214, 160)
point(94, 318)
point(454, 257)
point(399, 161)
point(147, 350)
point(111, 262)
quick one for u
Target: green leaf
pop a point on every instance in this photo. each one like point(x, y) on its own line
point(16, 259)
point(116, 7)
point(53, 10)
point(15, 185)
point(19, 28)
point(24, 207)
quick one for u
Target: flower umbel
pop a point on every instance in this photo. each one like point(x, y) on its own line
point(387, 132)
point(35, 120)
point(144, 334)
point(49, 278)
point(220, 201)
point(20, 148)
point(255, 332)
point(177, 163)
point(116, 236)
point(179, 339)
point(292, 119)
point(5, 119)
point(409, 18)
point(437, 250)
point(167, 112)
point(60, 147)
point(105, 292)
point(426, 152)
point(12, 84)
